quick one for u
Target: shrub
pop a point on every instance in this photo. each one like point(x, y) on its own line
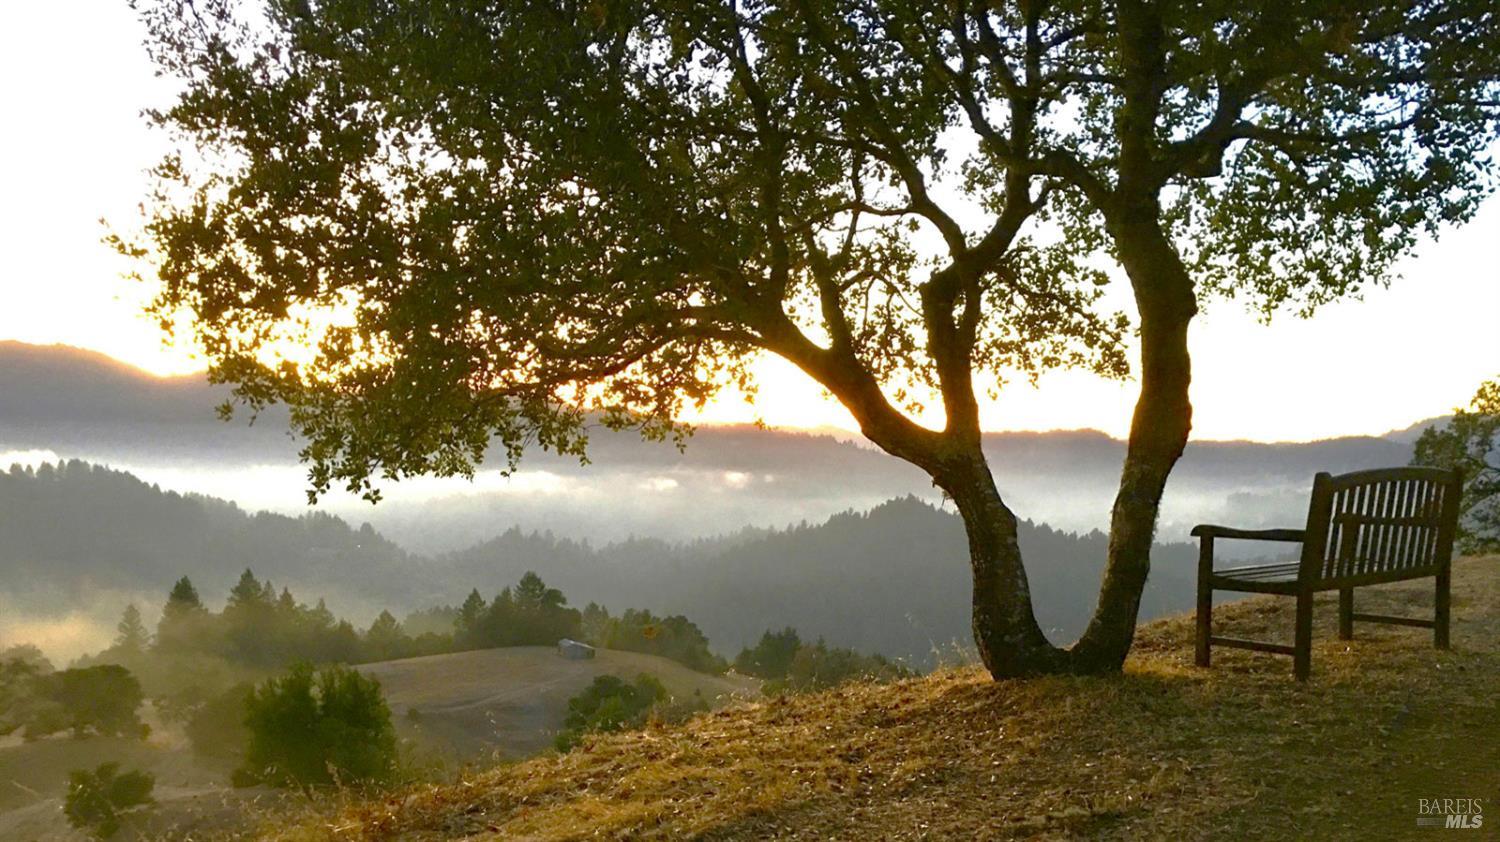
point(789, 665)
point(311, 728)
point(98, 800)
point(609, 704)
point(819, 666)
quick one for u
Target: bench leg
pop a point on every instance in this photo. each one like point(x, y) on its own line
point(1346, 613)
point(1444, 605)
point(1302, 656)
point(1205, 605)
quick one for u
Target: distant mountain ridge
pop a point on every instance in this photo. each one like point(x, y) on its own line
point(81, 404)
point(50, 391)
point(893, 579)
point(73, 400)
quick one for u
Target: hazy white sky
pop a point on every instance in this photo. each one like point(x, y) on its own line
point(73, 148)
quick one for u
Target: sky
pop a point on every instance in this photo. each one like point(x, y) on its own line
point(73, 150)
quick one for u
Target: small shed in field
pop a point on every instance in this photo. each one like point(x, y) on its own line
point(574, 650)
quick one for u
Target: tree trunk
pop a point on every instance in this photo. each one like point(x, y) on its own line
point(1010, 642)
point(1158, 433)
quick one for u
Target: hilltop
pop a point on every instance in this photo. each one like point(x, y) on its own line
point(510, 702)
point(1165, 751)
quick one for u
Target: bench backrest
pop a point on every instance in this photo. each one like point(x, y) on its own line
point(1381, 524)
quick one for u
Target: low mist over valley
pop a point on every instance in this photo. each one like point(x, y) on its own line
point(746, 529)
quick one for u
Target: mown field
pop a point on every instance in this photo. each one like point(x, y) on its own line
point(1167, 750)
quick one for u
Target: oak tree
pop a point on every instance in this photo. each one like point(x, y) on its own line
point(1470, 443)
point(497, 221)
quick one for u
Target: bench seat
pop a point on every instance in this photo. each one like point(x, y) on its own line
point(1263, 578)
point(1363, 528)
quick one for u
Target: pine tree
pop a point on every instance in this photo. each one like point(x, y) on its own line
point(184, 620)
point(470, 615)
point(247, 591)
point(133, 635)
point(533, 593)
point(182, 600)
point(385, 639)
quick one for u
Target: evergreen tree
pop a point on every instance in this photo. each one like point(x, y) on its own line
point(533, 594)
point(133, 637)
point(247, 619)
point(594, 625)
point(772, 656)
point(386, 639)
point(183, 600)
point(184, 623)
point(320, 617)
point(247, 591)
point(466, 629)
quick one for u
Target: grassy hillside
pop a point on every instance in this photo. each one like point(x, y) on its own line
point(510, 702)
point(1237, 752)
point(193, 795)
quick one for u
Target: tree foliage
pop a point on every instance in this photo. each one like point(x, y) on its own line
point(638, 630)
point(528, 614)
point(98, 800)
point(99, 700)
point(1471, 443)
point(133, 637)
point(609, 704)
point(493, 222)
point(513, 201)
point(772, 656)
point(316, 727)
point(789, 665)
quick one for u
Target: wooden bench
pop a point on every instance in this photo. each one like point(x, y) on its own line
point(1363, 528)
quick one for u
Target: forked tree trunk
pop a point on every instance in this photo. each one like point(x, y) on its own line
point(1010, 641)
point(1158, 434)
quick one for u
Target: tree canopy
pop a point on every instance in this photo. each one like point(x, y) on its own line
point(496, 222)
point(1470, 442)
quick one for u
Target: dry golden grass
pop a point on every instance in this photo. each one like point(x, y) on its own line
point(1166, 750)
point(511, 701)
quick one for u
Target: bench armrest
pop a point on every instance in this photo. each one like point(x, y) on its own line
point(1206, 530)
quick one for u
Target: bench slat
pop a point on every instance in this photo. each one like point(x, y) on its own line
point(1393, 621)
point(1257, 645)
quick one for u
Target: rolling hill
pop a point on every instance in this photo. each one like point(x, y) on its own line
point(83, 541)
point(487, 705)
point(509, 703)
